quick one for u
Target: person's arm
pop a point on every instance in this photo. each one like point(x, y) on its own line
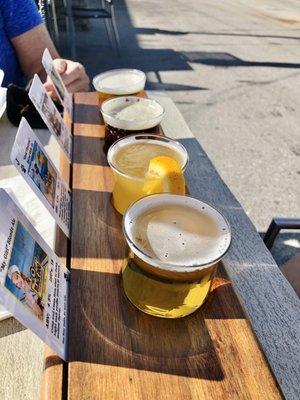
point(30, 46)
point(29, 36)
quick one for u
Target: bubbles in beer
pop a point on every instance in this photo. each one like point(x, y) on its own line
point(195, 238)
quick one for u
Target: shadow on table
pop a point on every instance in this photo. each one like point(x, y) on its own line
point(87, 114)
point(89, 155)
point(101, 217)
point(114, 332)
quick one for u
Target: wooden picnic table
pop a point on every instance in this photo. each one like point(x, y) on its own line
point(244, 343)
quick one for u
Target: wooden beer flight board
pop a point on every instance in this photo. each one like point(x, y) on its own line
point(118, 352)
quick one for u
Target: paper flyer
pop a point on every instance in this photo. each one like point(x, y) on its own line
point(33, 163)
point(34, 285)
point(50, 115)
point(61, 90)
point(1, 76)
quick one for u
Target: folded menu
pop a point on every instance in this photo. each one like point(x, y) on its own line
point(34, 285)
point(50, 115)
point(60, 88)
point(30, 158)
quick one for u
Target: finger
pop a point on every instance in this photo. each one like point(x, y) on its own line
point(50, 90)
point(53, 94)
point(48, 85)
point(73, 72)
point(80, 85)
point(60, 65)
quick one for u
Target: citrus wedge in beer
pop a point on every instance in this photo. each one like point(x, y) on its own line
point(164, 175)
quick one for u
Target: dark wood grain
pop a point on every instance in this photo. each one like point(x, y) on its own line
point(117, 352)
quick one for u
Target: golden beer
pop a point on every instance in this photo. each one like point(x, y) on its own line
point(129, 159)
point(175, 245)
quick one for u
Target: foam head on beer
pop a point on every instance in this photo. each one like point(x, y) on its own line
point(132, 113)
point(176, 232)
point(120, 81)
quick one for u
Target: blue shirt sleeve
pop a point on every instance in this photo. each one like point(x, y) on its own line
point(19, 16)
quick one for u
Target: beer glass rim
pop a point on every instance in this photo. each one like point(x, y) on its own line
point(146, 136)
point(111, 91)
point(147, 123)
point(169, 266)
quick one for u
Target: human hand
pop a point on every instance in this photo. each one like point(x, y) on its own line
point(73, 75)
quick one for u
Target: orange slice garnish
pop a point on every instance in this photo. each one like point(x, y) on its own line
point(164, 175)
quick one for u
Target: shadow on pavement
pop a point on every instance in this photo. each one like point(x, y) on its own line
point(156, 31)
point(219, 59)
point(94, 52)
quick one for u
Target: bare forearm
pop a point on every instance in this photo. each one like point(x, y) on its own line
point(30, 47)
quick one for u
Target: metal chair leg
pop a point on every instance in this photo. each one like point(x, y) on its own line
point(70, 29)
point(107, 25)
point(115, 29)
point(109, 33)
point(54, 17)
point(276, 225)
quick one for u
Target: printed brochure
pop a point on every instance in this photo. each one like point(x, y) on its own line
point(33, 163)
point(34, 285)
point(50, 115)
point(62, 93)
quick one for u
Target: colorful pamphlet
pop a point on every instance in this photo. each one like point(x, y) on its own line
point(50, 115)
point(61, 90)
point(33, 163)
point(34, 285)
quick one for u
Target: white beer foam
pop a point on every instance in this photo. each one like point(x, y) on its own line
point(176, 232)
point(120, 81)
point(132, 113)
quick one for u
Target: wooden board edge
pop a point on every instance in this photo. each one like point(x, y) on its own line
point(54, 376)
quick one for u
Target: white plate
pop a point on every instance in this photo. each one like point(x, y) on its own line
point(2, 100)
